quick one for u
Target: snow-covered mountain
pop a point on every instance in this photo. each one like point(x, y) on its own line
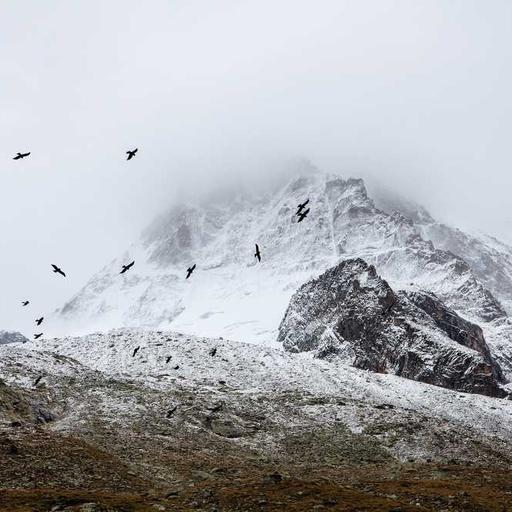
point(231, 295)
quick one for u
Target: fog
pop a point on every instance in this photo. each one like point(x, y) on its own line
point(411, 95)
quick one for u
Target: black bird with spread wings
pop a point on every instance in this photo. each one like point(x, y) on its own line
point(257, 254)
point(135, 351)
point(38, 380)
point(131, 154)
point(303, 215)
point(57, 270)
point(127, 267)
point(301, 207)
point(190, 270)
point(37, 336)
point(170, 412)
point(39, 321)
point(19, 156)
point(25, 303)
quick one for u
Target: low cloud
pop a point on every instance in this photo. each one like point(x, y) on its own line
point(412, 96)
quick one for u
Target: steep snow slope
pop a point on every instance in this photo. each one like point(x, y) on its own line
point(231, 295)
point(489, 258)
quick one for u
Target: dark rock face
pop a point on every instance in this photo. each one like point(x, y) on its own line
point(350, 312)
point(457, 328)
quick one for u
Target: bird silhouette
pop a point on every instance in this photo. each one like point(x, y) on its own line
point(168, 359)
point(257, 254)
point(38, 380)
point(303, 215)
point(131, 154)
point(213, 351)
point(170, 412)
point(301, 207)
point(19, 156)
point(135, 351)
point(39, 321)
point(190, 270)
point(57, 270)
point(127, 267)
point(25, 303)
point(37, 336)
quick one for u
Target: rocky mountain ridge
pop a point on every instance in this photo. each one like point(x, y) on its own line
point(352, 313)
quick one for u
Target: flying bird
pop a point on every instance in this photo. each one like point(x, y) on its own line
point(190, 270)
point(37, 336)
point(131, 154)
point(39, 321)
point(57, 270)
point(135, 351)
point(25, 303)
point(301, 207)
point(38, 380)
point(213, 351)
point(170, 412)
point(257, 254)
point(303, 215)
point(19, 156)
point(168, 359)
point(127, 267)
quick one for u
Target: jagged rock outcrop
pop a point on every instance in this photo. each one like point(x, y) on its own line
point(351, 312)
point(457, 328)
point(11, 337)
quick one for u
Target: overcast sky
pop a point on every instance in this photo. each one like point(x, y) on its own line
point(413, 94)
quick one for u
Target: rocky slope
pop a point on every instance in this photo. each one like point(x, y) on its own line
point(351, 312)
point(230, 426)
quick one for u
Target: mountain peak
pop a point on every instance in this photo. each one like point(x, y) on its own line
point(233, 295)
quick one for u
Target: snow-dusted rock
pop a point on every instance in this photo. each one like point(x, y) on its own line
point(85, 414)
point(97, 377)
point(352, 312)
point(11, 337)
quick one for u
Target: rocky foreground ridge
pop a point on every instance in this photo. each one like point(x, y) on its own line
point(205, 424)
